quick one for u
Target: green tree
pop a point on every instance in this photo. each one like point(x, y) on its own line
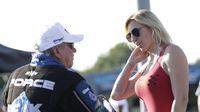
point(115, 58)
point(198, 61)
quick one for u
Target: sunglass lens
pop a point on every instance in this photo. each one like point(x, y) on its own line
point(135, 32)
point(71, 46)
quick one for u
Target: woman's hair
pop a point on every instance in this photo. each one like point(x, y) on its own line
point(148, 19)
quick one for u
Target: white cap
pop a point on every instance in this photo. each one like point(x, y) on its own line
point(56, 35)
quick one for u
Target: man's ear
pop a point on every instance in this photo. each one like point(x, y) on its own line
point(56, 52)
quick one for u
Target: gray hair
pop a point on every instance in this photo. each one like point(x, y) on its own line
point(50, 50)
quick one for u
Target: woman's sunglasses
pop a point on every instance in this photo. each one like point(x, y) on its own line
point(134, 32)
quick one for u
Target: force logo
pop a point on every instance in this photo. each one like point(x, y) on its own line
point(39, 83)
point(31, 73)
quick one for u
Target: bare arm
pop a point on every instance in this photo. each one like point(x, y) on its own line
point(124, 84)
point(177, 68)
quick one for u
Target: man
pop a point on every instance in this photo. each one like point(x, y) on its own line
point(48, 84)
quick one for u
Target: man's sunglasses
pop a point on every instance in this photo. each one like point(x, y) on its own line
point(134, 32)
point(70, 45)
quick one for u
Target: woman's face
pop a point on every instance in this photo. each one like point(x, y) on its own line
point(140, 35)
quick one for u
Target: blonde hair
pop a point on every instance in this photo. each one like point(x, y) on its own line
point(148, 19)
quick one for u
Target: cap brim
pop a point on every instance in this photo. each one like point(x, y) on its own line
point(73, 38)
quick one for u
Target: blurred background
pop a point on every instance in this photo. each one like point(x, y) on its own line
point(104, 51)
point(102, 75)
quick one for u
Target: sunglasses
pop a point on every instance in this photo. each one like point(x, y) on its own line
point(133, 33)
point(70, 45)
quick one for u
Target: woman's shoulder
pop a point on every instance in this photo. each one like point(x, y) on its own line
point(173, 49)
point(174, 58)
point(174, 53)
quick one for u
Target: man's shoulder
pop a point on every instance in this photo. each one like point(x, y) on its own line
point(59, 72)
point(20, 69)
point(60, 69)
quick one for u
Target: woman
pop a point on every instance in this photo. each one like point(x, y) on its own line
point(162, 82)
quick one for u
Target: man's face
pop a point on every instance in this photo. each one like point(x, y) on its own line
point(65, 54)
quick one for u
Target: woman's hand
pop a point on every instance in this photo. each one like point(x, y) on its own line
point(137, 56)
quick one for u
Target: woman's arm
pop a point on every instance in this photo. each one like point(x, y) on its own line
point(124, 84)
point(177, 68)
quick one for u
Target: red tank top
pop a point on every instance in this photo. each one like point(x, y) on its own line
point(154, 88)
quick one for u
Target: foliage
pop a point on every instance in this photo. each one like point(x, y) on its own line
point(198, 61)
point(115, 58)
